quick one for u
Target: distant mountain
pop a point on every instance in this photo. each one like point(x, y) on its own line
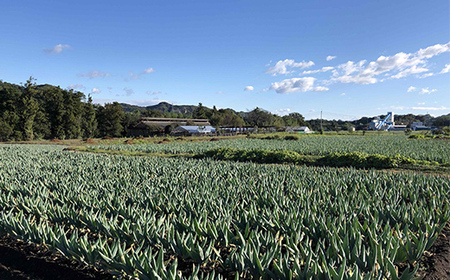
point(163, 107)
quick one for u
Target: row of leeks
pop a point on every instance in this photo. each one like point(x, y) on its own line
point(388, 145)
point(160, 218)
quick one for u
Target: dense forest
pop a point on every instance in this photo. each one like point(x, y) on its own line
point(31, 111)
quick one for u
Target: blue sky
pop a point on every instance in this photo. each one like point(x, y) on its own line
point(345, 58)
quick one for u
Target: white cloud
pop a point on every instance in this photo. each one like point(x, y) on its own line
point(148, 102)
point(77, 86)
point(433, 50)
point(430, 108)
point(285, 66)
point(446, 69)
point(296, 85)
point(357, 79)
point(323, 69)
point(58, 49)
point(428, 91)
point(128, 91)
point(421, 103)
point(149, 70)
point(343, 94)
point(409, 71)
point(426, 75)
point(397, 107)
point(103, 101)
point(397, 66)
point(220, 92)
point(249, 88)
point(282, 112)
point(350, 67)
point(319, 88)
point(411, 89)
point(95, 90)
point(330, 57)
point(153, 92)
point(94, 74)
point(135, 76)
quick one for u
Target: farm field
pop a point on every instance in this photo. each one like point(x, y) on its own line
point(182, 218)
point(390, 145)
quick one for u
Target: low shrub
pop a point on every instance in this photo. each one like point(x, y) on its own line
point(291, 137)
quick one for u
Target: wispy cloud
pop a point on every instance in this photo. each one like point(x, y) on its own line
point(427, 91)
point(282, 112)
point(442, 108)
point(95, 90)
point(285, 66)
point(128, 91)
point(400, 108)
point(320, 88)
point(94, 74)
point(57, 49)
point(149, 70)
point(147, 102)
point(330, 57)
point(249, 88)
point(296, 85)
point(426, 75)
point(323, 69)
point(77, 86)
point(397, 66)
point(220, 92)
point(411, 89)
point(103, 101)
point(446, 69)
point(153, 92)
point(135, 76)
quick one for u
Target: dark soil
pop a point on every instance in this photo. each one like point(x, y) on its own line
point(435, 264)
point(20, 260)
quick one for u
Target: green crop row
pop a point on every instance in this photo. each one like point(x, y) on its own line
point(387, 145)
point(354, 159)
point(179, 218)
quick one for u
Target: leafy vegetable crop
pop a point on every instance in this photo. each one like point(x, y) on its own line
point(388, 145)
point(177, 218)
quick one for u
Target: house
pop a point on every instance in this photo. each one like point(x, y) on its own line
point(188, 130)
point(154, 126)
point(298, 129)
point(416, 126)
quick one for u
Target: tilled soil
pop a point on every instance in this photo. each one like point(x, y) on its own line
point(435, 264)
point(20, 260)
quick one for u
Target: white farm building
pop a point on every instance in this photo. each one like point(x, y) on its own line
point(187, 130)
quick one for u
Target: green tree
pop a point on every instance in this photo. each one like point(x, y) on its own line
point(201, 112)
point(110, 119)
point(260, 118)
point(226, 117)
point(29, 108)
point(442, 121)
point(89, 120)
point(130, 120)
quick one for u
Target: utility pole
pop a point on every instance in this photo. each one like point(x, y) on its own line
point(321, 128)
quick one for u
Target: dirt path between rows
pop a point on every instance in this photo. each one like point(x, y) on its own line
point(435, 264)
point(20, 260)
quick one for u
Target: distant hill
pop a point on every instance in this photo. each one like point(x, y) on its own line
point(163, 107)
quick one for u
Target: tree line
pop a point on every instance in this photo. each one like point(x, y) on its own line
point(29, 111)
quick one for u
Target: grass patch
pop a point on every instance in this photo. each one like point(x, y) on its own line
point(354, 159)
